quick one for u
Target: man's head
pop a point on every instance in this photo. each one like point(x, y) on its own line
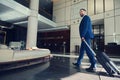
point(82, 12)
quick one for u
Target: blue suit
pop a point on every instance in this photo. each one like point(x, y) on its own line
point(85, 30)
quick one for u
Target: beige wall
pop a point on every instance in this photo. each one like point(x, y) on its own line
point(66, 12)
point(112, 24)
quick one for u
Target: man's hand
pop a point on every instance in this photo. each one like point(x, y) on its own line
point(82, 38)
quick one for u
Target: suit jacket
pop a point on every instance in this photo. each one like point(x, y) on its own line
point(85, 28)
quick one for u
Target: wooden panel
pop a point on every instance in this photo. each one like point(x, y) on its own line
point(54, 40)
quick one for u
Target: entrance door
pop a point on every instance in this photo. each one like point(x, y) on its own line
point(98, 41)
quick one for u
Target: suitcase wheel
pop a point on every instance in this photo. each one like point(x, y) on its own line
point(111, 75)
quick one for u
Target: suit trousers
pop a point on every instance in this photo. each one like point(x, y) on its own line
point(90, 55)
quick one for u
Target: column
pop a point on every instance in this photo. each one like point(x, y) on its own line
point(32, 24)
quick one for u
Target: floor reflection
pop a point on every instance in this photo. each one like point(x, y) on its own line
point(59, 67)
point(26, 73)
point(56, 69)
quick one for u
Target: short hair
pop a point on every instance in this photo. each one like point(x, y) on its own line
point(83, 9)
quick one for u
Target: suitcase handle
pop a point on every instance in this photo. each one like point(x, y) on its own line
point(89, 47)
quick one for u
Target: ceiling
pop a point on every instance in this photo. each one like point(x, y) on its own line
point(15, 13)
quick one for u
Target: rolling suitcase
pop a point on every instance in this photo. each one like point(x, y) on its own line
point(105, 61)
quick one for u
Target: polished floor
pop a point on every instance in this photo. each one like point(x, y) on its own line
point(59, 68)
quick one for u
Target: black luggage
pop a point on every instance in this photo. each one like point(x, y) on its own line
point(105, 61)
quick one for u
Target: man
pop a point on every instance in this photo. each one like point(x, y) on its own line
point(85, 30)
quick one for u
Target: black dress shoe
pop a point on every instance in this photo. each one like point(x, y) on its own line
point(91, 69)
point(76, 64)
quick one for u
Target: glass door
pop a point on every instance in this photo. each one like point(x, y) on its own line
point(98, 41)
